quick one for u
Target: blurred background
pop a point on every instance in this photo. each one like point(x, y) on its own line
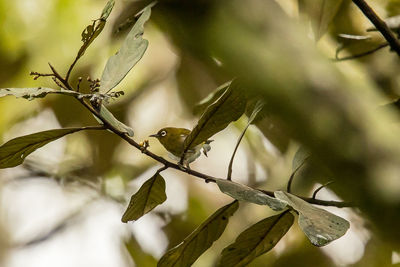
point(63, 206)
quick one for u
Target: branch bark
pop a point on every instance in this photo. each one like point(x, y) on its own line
point(379, 24)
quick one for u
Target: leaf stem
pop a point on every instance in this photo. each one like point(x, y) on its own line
point(366, 53)
point(229, 175)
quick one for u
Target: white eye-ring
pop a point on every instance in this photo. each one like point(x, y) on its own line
point(163, 133)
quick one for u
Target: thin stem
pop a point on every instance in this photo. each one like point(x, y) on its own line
point(320, 202)
point(291, 178)
point(205, 177)
point(337, 59)
point(229, 175)
point(379, 24)
point(319, 189)
point(71, 67)
point(61, 79)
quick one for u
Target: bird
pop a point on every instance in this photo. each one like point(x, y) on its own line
point(173, 140)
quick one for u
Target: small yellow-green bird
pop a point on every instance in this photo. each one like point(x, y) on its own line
point(173, 138)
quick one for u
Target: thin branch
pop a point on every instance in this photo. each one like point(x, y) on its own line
point(229, 175)
point(320, 202)
point(205, 177)
point(379, 24)
point(61, 79)
point(291, 178)
point(319, 189)
point(337, 59)
point(71, 67)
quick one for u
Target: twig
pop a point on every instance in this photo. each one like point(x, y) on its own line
point(289, 184)
point(379, 24)
point(61, 79)
point(229, 175)
point(207, 178)
point(337, 59)
point(320, 202)
point(319, 189)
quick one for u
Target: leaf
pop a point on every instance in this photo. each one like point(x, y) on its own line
point(211, 98)
point(248, 194)
point(229, 107)
point(321, 13)
point(13, 152)
point(107, 10)
point(109, 117)
point(256, 240)
point(130, 53)
point(150, 195)
point(320, 226)
point(31, 93)
point(187, 252)
point(92, 31)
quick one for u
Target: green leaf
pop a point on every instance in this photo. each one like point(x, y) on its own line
point(227, 108)
point(39, 92)
point(109, 117)
point(13, 152)
point(31, 93)
point(256, 240)
point(107, 10)
point(211, 98)
point(320, 226)
point(248, 194)
point(187, 252)
point(130, 53)
point(321, 13)
point(150, 195)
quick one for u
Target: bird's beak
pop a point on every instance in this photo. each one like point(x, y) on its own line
point(154, 135)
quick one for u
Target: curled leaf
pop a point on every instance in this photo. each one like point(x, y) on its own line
point(109, 117)
point(248, 194)
point(320, 226)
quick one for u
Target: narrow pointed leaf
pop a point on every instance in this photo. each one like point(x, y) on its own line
point(14, 152)
point(35, 92)
point(321, 13)
point(107, 10)
point(256, 240)
point(150, 195)
point(109, 117)
point(226, 109)
point(130, 53)
point(320, 226)
point(248, 194)
point(187, 252)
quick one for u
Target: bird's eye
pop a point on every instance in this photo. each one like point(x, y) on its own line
point(163, 133)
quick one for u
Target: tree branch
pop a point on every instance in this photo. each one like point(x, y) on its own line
point(379, 24)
